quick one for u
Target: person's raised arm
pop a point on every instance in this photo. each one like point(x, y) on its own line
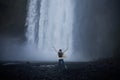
point(65, 50)
point(55, 49)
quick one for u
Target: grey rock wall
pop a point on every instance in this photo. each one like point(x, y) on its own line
point(12, 17)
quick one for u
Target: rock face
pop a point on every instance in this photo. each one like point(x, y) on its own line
point(96, 28)
point(12, 17)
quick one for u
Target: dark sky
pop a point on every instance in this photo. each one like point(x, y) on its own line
point(96, 26)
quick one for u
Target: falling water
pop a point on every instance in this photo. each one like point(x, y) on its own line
point(50, 24)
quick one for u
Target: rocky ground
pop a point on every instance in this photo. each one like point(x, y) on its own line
point(49, 71)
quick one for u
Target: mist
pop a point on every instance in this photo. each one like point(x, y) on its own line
point(14, 50)
point(95, 32)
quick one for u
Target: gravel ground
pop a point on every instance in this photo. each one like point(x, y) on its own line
point(50, 71)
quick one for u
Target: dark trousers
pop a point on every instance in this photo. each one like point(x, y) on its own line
point(61, 64)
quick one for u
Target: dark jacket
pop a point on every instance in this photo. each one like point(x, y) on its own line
point(60, 54)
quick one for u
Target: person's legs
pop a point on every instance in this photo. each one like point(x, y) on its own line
point(62, 64)
point(59, 64)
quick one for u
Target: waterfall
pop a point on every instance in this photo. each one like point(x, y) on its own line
point(50, 23)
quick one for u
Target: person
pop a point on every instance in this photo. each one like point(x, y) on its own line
point(61, 56)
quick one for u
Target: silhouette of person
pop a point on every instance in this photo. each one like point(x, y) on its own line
point(61, 56)
point(61, 61)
